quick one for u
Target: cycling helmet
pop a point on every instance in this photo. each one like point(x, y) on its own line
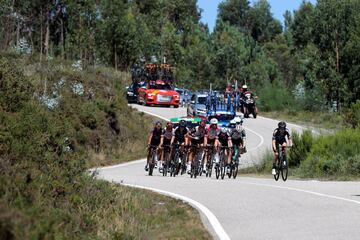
point(182, 123)
point(213, 121)
point(238, 120)
point(244, 86)
point(158, 123)
point(282, 124)
point(232, 123)
point(223, 130)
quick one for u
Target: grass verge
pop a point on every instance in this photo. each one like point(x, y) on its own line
point(55, 122)
point(321, 120)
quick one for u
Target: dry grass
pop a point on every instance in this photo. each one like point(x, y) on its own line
point(322, 120)
point(44, 153)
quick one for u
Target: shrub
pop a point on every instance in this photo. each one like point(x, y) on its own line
point(336, 155)
point(301, 147)
point(15, 89)
point(352, 117)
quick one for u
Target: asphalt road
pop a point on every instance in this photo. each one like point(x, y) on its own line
point(255, 208)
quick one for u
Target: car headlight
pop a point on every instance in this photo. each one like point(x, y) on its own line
point(130, 93)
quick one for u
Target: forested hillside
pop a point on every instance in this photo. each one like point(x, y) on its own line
point(311, 62)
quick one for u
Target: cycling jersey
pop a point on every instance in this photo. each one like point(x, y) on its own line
point(224, 139)
point(156, 137)
point(237, 136)
point(199, 133)
point(168, 134)
point(179, 134)
point(280, 137)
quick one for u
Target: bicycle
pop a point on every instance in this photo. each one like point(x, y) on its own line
point(235, 161)
point(195, 162)
point(153, 158)
point(166, 163)
point(281, 164)
point(220, 167)
point(210, 159)
point(178, 160)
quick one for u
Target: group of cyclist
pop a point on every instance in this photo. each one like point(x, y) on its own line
point(210, 135)
point(199, 138)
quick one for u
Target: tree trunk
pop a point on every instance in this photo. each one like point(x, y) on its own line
point(17, 33)
point(47, 34)
point(115, 57)
point(62, 40)
point(41, 34)
point(337, 57)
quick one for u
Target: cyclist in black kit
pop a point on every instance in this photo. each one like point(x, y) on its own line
point(279, 137)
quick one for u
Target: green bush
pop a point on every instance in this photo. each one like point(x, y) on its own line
point(333, 156)
point(352, 117)
point(302, 144)
point(15, 89)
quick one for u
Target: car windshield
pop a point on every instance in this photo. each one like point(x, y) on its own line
point(223, 117)
point(161, 86)
point(180, 91)
point(201, 100)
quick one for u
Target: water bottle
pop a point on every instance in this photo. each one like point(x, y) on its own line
point(217, 159)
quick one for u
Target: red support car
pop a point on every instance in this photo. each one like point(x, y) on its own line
point(158, 93)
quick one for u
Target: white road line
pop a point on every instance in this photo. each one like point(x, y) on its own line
point(155, 115)
point(304, 191)
point(214, 222)
point(257, 134)
point(118, 165)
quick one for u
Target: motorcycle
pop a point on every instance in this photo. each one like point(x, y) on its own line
point(249, 106)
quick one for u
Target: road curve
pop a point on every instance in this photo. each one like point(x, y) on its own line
point(254, 208)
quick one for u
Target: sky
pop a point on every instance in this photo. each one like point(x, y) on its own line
point(278, 8)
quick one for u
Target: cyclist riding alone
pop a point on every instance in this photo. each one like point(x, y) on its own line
point(154, 142)
point(197, 140)
point(279, 138)
point(165, 143)
point(225, 141)
point(211, 138)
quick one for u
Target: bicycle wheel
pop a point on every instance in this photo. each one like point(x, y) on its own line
point(175, 165)
point(217, 171)
point(165, 165)
point(231, 169)
point(284, 168)
point(222, 165)
point(183, 163)
point(278, 166)
point(152, 164)
point(200, 163)
point(210, 169)
point(235, 170)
